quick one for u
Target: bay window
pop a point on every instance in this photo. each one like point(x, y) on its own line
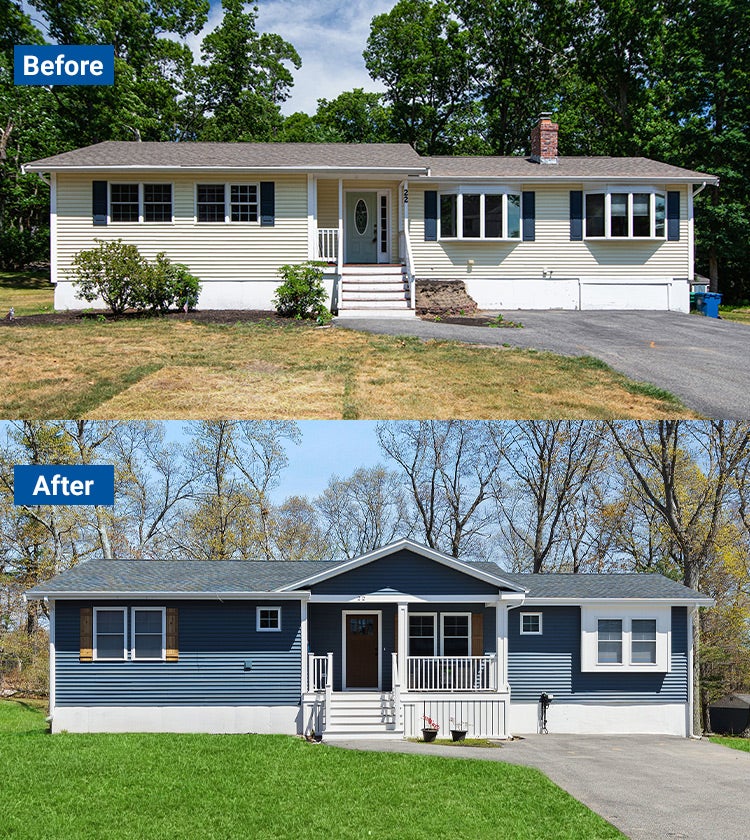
point(614, 214)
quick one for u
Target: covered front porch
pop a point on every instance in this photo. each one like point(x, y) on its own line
point(378, 668)
point(359, 227)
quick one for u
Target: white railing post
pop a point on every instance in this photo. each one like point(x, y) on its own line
point(329, 680)
point(396, 691)
point(311, 672)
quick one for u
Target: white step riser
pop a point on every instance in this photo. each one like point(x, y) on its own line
point(365, 270)
point(371, 297)
point(374, 304)
point(377, 288)
point(377, 313)
point(370, 736)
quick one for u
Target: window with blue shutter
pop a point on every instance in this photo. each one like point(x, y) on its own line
point(673, 216)
point(99, 202)
point(528, 211)
point(430, 216)
point(267, 204)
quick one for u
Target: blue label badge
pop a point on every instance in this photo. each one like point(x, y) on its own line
point(64, 484)
point(64, 65)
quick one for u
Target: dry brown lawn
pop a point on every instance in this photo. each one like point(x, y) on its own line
point(187, 370)
point(27, 292)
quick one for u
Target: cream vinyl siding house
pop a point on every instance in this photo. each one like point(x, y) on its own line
point(535, 232)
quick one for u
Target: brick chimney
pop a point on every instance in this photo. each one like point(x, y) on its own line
point(544, 140)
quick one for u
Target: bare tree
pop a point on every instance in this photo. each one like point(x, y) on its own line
point(448, 469)
point(296, 532)
point(546, 475)
point(364, 511)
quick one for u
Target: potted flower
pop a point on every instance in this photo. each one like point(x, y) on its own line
point(459, 730)
point(430, 731)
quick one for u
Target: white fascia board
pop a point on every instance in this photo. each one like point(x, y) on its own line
point(401, 598)
point(338, 171)
point(674, 602)
point(155, 596)
point(424, 551)
point(567, 179)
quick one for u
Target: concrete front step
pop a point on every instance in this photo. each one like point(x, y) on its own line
point(375, 313)
point(343, 735)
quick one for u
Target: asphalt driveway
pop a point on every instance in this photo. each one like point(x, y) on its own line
point(651, 787)
point(703, 361)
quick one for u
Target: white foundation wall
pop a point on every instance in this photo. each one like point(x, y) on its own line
point(585, 293)
point(264, 720)
point(602, 718)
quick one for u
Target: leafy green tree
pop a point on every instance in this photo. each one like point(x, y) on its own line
point(421, 54)
point(245, 77)
point(356, 117)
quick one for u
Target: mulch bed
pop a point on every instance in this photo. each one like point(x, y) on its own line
point(208, 316)
point(478, 320)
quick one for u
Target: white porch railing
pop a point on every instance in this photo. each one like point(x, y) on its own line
point(328, 244)
point(451, 673)
point(397, 710)
point(317, 672)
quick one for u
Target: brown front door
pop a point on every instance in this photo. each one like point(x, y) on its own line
point(361, 650)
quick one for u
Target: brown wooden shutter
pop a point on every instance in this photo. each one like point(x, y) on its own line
point(477, 634)
point(172, 635)
point(86, 653)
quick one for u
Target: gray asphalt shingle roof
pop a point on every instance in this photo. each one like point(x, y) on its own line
point(565, 168)
point(372, 156)
point(217, 576)
point(238, 155)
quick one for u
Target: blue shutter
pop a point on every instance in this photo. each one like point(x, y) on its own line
point(267, 204)
point(99, 202)
point(430, 216)
point(528, 216)
point(576, 216)
point(673, 216)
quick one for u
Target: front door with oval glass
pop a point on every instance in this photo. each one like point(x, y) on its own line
point(361, 227)
point(361, 632)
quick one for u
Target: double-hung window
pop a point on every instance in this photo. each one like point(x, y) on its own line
point(624, 639)
point(148, 631)
point(610, 641)
point(480, 215)
point(140, 202)
point(226, 203)
point(109, 633)
point(615, 214)
point(456, 634)
point(643, 641)
point(422, 636)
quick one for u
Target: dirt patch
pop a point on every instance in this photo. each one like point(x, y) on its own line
point(443, 297)
point(480, 319)
point(207, 316)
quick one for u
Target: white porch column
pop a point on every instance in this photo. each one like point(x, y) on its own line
point(501, 632)
point(53, 230)
point(403, 642)
point(340, 255)
point(312, 227)
point(303, 644)
point(52, 669)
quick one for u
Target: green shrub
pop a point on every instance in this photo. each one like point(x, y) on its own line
point(112, 272)
point(302, 294)
point(123, 279)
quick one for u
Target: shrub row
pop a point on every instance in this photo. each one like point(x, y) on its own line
point(124, 279)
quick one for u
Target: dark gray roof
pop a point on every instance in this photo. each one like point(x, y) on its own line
point(190, 576)
point(231, 576)
point(566, 168)
point(115, 153)
point(366, 156)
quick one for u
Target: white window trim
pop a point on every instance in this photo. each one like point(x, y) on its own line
point(530, 632)
point(141, 215)
point(590, 616)
point(260, 629)
point(608, 192)
point(435, 628)
point(96, 657)
point(227, 201)
point(459, 192)
point(443, 616)
point(163, 611)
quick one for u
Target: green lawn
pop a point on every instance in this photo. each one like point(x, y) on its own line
point(735, 743)
point(28, 292)
point(735, 313)
point(226, 786)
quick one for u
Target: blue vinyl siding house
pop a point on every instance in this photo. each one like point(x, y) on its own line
point(366, 647)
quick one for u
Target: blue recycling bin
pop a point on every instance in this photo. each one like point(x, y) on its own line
point(707, 303)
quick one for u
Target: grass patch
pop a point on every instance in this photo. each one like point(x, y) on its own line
point(735, 743)
point(28, 292)
point(218, 786)
point(168, 368)
point(467, 742)
point(741, 314)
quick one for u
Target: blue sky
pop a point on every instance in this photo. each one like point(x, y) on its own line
point(329, 36)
